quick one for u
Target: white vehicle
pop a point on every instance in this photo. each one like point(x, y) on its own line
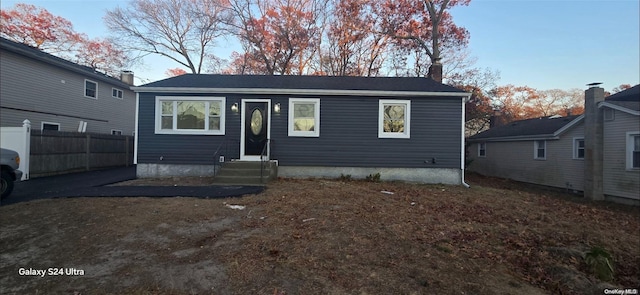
point(9, 164)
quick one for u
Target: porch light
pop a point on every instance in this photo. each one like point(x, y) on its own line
point(276, 107)
point(234, 107)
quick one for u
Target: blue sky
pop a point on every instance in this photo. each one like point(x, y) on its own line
point(541, 44)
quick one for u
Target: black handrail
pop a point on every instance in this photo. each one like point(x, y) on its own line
point(220, 151)
point(216, 158)
point(264, 158)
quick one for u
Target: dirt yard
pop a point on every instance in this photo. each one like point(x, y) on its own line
point(320, 237)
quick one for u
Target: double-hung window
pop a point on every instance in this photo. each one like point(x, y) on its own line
point(633, 150)
point(304, 117)
point(482, 149)
point(578, 148)
point(190, 115)
point(90, 89)
point(117, 93)
point(394, 118)
point(540, 150)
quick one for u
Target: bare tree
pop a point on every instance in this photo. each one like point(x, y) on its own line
point(181, 30)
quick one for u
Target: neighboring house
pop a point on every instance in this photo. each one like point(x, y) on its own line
point(597, 153)
point(621, 143)
point(312, 126)
point(56, 94)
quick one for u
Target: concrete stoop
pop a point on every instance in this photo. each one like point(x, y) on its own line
point(246, 173)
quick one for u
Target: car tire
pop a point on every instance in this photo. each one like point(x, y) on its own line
point(6, 184)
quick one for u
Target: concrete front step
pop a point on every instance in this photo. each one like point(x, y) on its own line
point(246, 173)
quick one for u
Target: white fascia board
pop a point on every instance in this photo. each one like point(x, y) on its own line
point(517, 138)
point(619, 108)
point(276, 91)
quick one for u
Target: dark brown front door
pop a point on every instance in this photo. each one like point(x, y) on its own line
point(255, 128)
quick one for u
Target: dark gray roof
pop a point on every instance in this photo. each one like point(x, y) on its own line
point(303, 82)
point(631, 94)
point(538, 127)
point(629, 99)
point(39, 55)
point(632, 105)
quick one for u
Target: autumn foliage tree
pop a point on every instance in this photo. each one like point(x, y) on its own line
point(354, 45)
point(174, 72)
point(423, 27)
point(523, 102)
point(278, 36)
point(101, 54)
point(38, 28)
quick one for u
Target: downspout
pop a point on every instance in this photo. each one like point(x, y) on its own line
point(462, 150)
point(135, 135)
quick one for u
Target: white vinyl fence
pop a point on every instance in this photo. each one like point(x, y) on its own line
point(19, 140)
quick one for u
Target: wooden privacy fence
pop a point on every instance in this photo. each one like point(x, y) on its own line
point(54, 152)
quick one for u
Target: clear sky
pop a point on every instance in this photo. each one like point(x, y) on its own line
point(542, 44)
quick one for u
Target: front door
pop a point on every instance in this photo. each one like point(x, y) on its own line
point(256, 124)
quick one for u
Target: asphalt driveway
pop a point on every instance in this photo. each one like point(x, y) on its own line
point(93, 184)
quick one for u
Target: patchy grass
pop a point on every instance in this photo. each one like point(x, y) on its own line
point(324, 237)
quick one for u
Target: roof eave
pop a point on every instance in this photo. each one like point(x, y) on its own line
point(293, 91)
point(619, 108)
point(64, 64)
point(568, 126)
point(517, 138)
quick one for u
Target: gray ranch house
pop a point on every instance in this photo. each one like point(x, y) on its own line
point(56, 94)
point(408, 129)
point(597, 153)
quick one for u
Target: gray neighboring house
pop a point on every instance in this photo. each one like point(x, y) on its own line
point(597, 153)
point(312, 126)
point(56, 94)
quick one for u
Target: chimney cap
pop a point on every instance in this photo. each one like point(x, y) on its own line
point(594, 84)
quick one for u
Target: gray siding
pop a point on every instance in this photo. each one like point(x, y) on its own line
point(52, 94)
point(348, 136)
point(514, 160)
point(618, 181)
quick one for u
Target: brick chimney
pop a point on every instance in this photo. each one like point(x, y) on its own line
point(435, 71)
point(497, 119)
point(593, 142)
point(127, 77)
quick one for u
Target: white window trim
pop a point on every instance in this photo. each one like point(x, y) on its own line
point(119, 90)
point(535, 150)
point(485, 149)
point(85, 88)
point(116, 130)
point(612, 115)
point(575, 148)
point(407, 119)
point(316, 108)
point(49, 123)
point(158, 115)
point(629, 150)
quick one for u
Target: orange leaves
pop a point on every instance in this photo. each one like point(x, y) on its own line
point(523, 102)
point(36, 27)
point(174, 72)
point(279, 40)
point(412, 22)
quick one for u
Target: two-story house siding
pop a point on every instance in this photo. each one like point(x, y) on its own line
point(51, 93)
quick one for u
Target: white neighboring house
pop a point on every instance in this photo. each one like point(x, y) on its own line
point(602, 160)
